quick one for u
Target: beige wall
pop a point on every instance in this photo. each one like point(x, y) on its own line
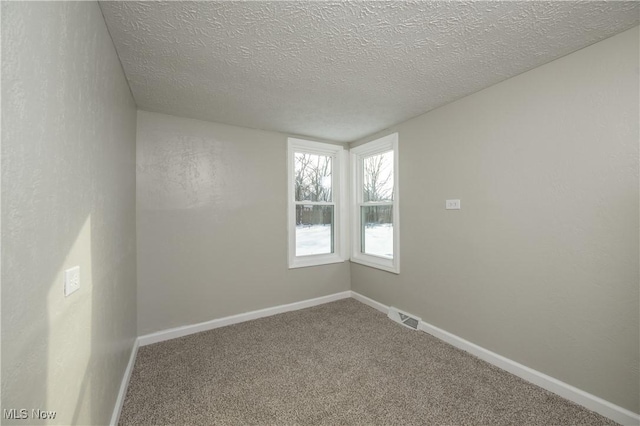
point(68, 198)
point(541, 263)
point(212, 224)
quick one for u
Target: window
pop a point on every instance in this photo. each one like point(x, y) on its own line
point(375, 220)
point(317, 222)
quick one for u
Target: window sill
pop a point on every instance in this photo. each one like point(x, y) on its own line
point(378, 263)
point(317, 260)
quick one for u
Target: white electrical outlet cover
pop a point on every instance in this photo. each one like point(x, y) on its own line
point(452, 205)
point(71, 280)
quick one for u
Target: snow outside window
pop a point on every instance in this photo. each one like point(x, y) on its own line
point(317, 222)
point(374, 210)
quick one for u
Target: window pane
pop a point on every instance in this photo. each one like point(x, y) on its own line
point(312, 177)
point(377, 177)
point(314, 230)
point(377, 230)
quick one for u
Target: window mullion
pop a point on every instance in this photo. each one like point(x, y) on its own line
point(315, 203)
point(377, 203)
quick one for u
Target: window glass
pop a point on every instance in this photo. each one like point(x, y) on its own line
point(377, 230)
point(314, 229)
point(312, 177)
point(378, 177)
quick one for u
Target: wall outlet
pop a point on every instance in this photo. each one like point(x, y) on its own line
point(452, 205)
point(71, 280)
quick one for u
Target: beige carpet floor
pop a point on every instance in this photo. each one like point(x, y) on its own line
point(341, 363)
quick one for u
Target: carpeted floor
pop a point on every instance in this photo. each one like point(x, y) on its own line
point(338, 363)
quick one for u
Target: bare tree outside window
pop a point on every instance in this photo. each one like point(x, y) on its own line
point(313, 177)
point(378, 177)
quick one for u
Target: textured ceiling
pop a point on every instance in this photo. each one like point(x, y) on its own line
point(339, 70)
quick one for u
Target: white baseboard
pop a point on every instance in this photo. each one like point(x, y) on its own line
point(375, 305)
point(186, 330)
point(122, 393)
point(587, 400)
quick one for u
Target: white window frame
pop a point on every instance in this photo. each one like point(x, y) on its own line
point(339, 175)
point(378, 146)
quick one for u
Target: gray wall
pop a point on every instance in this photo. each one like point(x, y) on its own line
point(212, 224)
point(68, 198)
point(541, 263)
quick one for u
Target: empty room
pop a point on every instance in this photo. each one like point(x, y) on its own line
point(309, 212)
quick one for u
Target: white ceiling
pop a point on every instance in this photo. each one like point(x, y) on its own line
point(339, 70)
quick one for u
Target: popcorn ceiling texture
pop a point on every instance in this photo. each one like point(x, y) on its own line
point(336, 70)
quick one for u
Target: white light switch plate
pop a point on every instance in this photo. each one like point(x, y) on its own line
point(71, 280)
point(452, 205)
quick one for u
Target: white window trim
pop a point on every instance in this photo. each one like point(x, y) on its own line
point(339, 192)
point(384, 144)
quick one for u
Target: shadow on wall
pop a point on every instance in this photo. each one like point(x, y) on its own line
point(65, 354)
point(101, 335)
point(70, 351)
point(50, 377)
point(76, 357)
point(51, 337)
